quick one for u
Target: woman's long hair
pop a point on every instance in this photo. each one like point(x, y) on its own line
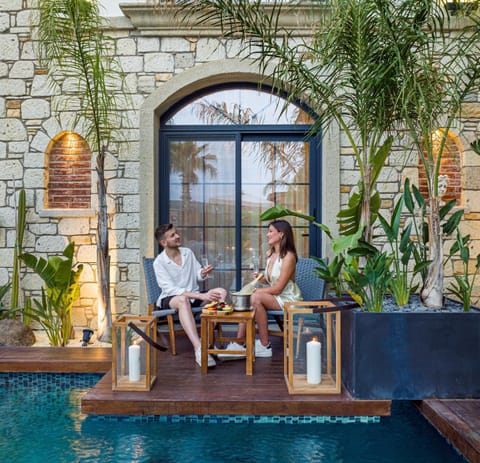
point(287, 244)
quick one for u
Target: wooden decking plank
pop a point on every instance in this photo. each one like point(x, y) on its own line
point(458, 421)
point(55, 359)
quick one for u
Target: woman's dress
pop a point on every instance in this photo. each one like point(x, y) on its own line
point(291, 292)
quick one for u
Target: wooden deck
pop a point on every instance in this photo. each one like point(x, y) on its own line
point(182, 389)
point(458, 421)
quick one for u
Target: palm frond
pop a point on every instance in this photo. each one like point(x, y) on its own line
point(72, 47)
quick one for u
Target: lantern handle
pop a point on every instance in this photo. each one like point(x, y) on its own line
point(146, 337)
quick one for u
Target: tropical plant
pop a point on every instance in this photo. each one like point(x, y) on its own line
point(368, 285)
point(50, 313)
point(462, 286)
point(436, 78)
point(61, 276)
point(417, 208)
point(4, 311)
point(330, 271)
point(11, 312)
point(402, 249)
point(74, 47)
point(348, 74)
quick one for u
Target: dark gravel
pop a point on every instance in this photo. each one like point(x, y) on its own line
point(415, 305)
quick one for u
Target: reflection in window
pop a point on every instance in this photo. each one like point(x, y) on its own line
point(239, 107)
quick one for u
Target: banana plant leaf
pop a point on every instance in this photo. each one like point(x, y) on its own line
point(279, 211)
point(476, 146)
point(452, 223)
point(55, 272)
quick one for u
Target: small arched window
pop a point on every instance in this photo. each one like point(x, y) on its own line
point(450, 174)
point(69, 178)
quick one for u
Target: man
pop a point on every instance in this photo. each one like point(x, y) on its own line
point(178, 272)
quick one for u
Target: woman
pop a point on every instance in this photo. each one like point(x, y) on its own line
point(280, 276)
point(281, 287)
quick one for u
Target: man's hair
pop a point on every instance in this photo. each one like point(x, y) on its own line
point(161, 230)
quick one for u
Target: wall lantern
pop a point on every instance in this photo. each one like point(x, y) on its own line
point(134, 357)
point(312, 347)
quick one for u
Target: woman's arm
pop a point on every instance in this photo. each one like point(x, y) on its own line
point(287, 273)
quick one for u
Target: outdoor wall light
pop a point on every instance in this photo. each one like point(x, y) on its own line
point(87, 334)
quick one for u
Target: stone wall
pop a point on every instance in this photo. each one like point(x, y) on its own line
point(150, 59)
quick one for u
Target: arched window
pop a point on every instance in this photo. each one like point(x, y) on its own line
point(226, 156)
point(450, 174)
point(68, 173)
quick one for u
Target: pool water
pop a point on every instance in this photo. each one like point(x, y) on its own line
point(41, 422)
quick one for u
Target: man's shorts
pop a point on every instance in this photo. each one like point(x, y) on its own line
point(165, 303)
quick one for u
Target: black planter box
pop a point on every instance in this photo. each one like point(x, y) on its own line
point(410, 356)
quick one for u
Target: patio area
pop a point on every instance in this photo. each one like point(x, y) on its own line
point(181, 389)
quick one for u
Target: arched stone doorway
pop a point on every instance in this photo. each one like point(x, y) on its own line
point(179, 87)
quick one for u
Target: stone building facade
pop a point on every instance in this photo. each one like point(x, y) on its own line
point(164, 61)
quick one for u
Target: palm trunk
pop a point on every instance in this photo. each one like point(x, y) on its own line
point(432, 291)
point(365, 214)
point(103, 258)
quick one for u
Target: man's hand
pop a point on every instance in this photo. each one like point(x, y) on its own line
point(212, 295)
point(206, 270)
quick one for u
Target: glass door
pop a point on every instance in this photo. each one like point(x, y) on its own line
point(227, 154)
point(273, 172)
point(202, 202)
point(218, 189)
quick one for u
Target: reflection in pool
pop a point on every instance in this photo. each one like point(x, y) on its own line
point(41, 422)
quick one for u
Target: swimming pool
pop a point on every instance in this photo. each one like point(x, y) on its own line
point(41, 422)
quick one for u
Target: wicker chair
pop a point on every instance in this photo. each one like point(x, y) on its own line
point(311, 286)
point(153, 292)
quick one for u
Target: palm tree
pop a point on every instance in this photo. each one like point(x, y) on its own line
point(347, 74)
point(187, 159)
point(436, 79)
point(72, 46)
point(373, 65)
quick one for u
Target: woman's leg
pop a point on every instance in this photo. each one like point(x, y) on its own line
point(261, 302)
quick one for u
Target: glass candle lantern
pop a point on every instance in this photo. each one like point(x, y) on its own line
point(134, 359)
point(312, 345)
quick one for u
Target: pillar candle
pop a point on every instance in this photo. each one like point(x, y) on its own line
point(134, 362)
point(314, 374)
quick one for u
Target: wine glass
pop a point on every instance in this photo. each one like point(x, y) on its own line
point(255, 265)
point(204, 262)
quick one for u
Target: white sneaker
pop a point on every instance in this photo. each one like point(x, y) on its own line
point(261, 350)
point(232, 346)
point(198, 358)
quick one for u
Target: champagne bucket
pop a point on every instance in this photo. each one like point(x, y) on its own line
point(241, 301)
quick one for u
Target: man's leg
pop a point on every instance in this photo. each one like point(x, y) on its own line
point(182, 305)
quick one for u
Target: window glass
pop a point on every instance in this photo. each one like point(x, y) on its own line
point(239, 107)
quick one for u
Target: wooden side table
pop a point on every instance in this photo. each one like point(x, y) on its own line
point(207, 334)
